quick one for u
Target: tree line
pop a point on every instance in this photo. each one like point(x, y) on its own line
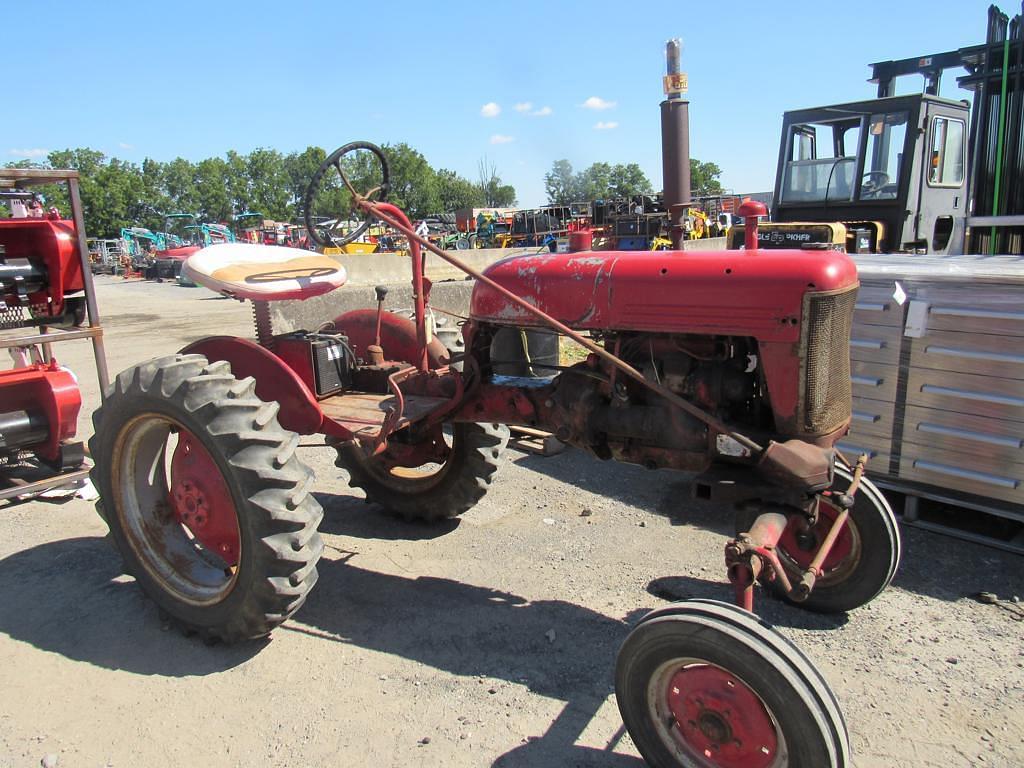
point(117, 194)
point(602, 181)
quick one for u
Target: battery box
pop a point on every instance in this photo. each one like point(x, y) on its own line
point(324, 361)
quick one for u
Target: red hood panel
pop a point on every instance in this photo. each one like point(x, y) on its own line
point(745, 293)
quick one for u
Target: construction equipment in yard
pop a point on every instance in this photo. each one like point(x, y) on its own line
point(107, 256)
point(186, 235)
point(46, 297)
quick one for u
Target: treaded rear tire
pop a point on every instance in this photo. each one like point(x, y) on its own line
point(277, 518)
point(458, 486)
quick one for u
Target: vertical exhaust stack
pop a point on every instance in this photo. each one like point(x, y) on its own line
point(675, 141)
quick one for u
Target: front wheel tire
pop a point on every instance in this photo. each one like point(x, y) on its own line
point(703, 684)
point(863, 560)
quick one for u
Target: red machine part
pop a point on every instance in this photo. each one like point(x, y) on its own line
point(727, 293)
point(201, 499)
point(720, 720)
point(397, 336)
point(277, 382)
point(53, 244)
point(47, 388)
point(178, 254)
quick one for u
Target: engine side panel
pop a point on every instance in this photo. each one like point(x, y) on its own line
point(748, 293)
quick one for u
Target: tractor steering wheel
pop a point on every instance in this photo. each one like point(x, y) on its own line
point(330, 211)
point(873, 183)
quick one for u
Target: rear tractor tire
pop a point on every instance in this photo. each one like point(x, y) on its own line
point(432, 492)
point(205, 498)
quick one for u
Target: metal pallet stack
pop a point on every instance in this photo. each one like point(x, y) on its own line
point(938, 379)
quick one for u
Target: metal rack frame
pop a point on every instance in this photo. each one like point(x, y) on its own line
point(11, 178)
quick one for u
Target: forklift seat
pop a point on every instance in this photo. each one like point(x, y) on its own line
point(264, 272)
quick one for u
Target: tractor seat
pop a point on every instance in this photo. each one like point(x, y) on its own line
point(264, 272)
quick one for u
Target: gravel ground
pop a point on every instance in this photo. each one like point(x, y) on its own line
point(487, 641)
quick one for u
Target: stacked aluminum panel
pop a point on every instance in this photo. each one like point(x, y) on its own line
point(938, 377)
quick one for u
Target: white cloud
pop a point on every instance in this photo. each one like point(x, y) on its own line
point(490, 109)
point(524, 106)
point(542, 112)
point(28, 152)
point(500, 139)
point(603, 126)
point(596, 102)
point(124, 145)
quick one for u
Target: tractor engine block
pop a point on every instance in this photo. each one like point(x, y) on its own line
point(616, 417)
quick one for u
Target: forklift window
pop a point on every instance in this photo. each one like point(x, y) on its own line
point(886, 135)
point(822, 161)
point(947, 152)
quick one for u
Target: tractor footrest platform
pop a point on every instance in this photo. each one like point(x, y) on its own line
point(363, 413)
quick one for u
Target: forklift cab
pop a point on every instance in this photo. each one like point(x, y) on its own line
point(891, 171)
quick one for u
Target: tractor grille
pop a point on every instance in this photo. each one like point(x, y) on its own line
point(828, 319)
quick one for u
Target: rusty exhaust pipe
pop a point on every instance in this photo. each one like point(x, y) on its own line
point(675, 141)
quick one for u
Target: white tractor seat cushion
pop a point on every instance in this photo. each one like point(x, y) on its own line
point(264, 272)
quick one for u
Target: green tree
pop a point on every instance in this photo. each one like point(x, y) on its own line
point(596, 182)
point(238, 182)
point(268, 183)
point(212, 194)
point(413, 182)
point(455, 192)
point(495, 193)
point(628, 180)
point(300, 167)
point(179, 186)
point(561, 184)
point(87, 162)
point(704, 178)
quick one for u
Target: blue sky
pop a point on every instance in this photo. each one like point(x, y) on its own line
point(521, 84)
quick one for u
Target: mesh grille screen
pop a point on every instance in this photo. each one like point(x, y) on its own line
point(11, 317)
point(827, 386)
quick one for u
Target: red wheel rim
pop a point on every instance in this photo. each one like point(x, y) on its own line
point(802, 557)
point(201, 501)
point(720, 720)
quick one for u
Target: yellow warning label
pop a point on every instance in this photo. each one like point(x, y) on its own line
point(676, 83)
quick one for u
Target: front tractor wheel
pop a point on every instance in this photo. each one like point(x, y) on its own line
point(863, 559)
point(205, 498)
point(446, 484)
point(702, 684)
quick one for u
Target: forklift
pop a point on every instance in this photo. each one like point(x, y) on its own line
point(912, 174)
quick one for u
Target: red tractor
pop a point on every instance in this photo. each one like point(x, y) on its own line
point(732, 365)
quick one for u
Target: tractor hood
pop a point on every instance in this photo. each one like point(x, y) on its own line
point(743, 293)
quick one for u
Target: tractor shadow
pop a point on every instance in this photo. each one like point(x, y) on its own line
point(69, 597)
point(483, 633)
point(351, 516)
point(662, 492)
